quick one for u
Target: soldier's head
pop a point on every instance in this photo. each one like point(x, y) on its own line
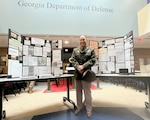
point(83, 41)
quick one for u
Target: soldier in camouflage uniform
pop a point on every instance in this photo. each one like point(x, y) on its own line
point(83, 58)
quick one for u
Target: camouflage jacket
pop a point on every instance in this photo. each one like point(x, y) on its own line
point(85, 57)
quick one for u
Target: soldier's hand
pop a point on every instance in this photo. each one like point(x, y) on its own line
point(80, 68)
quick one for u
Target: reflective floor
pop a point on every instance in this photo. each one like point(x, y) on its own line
point(99, 113)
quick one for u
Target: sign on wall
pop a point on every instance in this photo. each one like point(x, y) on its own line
point(71, 17)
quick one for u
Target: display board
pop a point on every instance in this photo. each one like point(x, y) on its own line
point(116, 54)
point(14, 54)
point(57, 57)
point(32, 56)
point(36, 56)
point(129, 52)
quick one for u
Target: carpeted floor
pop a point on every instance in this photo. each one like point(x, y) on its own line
point(99, 113)
point(25, 106)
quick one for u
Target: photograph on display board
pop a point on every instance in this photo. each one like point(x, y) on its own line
point(26, 40)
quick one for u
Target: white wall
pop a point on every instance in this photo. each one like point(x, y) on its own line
point(70, 17)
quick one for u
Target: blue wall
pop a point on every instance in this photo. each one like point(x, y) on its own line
point(70, 17)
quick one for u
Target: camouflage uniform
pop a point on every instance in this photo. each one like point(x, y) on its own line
point(83, 56)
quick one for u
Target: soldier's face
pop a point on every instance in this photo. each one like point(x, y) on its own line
point(82, 41)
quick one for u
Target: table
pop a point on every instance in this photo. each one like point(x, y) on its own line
point(68, 77)
point(5, 80)
point(3, 75)
point(144, 77)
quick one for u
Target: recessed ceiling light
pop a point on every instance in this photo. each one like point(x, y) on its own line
point(66, 42)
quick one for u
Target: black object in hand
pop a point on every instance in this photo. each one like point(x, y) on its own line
point(89, 76)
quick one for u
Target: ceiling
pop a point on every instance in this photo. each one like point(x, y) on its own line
point(73, 41)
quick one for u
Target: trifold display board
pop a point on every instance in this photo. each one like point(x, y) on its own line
point(30, 56)
point(116, 54)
